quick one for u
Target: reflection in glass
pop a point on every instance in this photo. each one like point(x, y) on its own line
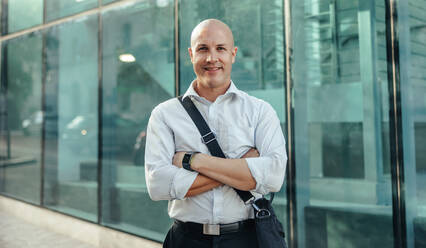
point(104, 2)
point(412, 32)
point(138, 74)
point(61, 8)
point(71, 118)
point(24, 14)
point(341, 123)
point(21, 118)
point(259, 67)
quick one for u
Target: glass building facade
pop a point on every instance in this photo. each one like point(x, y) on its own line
point(347, 79)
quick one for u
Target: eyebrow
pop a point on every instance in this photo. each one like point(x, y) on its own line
point(218, 45)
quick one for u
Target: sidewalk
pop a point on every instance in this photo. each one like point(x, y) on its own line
point(16, 233)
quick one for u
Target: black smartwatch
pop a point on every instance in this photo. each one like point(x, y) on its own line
point(186, 161)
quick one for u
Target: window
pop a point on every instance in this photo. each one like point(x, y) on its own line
point(22, 117)
point(138, 74)
point(61, 8)
point(412, 29)
point(23, 14)
point(341, 109)
point(71, 118)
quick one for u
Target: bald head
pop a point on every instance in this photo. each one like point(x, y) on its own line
point(211, 25)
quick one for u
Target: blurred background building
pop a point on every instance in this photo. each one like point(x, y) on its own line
point(347, 78)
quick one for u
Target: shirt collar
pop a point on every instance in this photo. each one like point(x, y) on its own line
point(232, 90)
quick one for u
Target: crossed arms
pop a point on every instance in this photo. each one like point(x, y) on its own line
point(261, 169)
point(214, 172)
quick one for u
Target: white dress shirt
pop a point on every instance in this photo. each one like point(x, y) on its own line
point(240, 122)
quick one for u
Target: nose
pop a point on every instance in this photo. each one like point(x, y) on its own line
point(211, 57)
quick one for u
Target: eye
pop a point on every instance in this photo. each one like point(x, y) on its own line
point(202, 49)
point(221, 48)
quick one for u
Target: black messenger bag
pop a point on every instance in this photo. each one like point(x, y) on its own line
point(269, 230)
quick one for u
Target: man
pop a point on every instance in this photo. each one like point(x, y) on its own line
point(248, 131)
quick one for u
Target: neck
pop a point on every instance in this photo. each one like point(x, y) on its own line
point(211, 93)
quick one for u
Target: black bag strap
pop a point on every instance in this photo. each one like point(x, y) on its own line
point(209, 138)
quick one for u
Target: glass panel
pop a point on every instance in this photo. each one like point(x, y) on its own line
point(104, 2)
point(21, 118)
point(71, 118)
point(341, 121)
point(138, 74)
point(24, 14)
point(60, 8)
point(259, 66)
point(412, 32)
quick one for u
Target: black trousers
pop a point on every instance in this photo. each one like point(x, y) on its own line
point(178, 237)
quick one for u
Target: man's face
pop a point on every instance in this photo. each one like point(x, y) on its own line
point(212, 54)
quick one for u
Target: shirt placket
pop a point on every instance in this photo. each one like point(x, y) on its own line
point(217, 192)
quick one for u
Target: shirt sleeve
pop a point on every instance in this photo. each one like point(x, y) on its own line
point(269, 169)
point(164, 180)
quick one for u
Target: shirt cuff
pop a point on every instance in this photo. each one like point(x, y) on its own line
point(257, 170)
point(181, 183)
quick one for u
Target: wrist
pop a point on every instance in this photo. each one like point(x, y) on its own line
point(195, 161)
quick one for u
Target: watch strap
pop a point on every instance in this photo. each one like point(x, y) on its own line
point(186, 161)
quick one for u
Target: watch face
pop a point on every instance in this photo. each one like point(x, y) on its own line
point(186, 158)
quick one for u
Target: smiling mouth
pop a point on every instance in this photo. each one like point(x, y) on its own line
point(212, 68)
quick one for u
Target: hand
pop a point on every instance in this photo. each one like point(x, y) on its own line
point(177, 159)
point(252, 153)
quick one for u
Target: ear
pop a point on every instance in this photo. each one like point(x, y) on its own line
point(190, 54)
point(234, 53)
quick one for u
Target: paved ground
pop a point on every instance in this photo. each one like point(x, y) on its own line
point(16, 233)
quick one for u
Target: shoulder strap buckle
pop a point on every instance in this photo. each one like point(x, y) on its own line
point(207, 138)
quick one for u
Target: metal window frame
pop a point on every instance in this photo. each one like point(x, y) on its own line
point(291, 163)
point(395, 128)
point(43, 106)
point(3, 92)
point(100, 111)
point(177, 48)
